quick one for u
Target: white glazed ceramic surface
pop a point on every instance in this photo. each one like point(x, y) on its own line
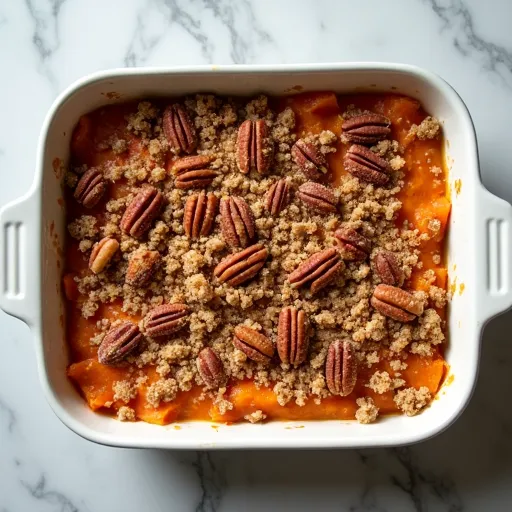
point(32, 233)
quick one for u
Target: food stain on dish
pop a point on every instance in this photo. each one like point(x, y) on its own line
point(54, 239)
point(462, 287)
point(453, 286)
point(447, 382)
point(295, 88)
point(112, 95)
point(58, 168)
point(457, 185)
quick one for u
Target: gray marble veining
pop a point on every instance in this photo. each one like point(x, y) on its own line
point(493, 57)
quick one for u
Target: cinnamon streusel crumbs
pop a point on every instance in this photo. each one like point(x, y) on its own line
point(83, 227)
point(163, 390)
point(397, 365)
point(119, 146)
point(255, 417)
point(372, 358)
point(380, 382)
point(85, 245)
point(221, 403)
point(124, 390)
point(368, 411)
point(126, 413)
point(429, 128)
point(411, 401)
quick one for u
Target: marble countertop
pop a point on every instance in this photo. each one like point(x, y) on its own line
point(47, 44)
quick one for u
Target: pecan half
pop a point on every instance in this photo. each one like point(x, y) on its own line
point(178, 129)
point(192, 172)
point(210, 368)
point(317, 197)
point(366, 129)
point(277, 197)
point(253, 344)
point(241, 266)
point(387, 267)
point(292, 336)
point(90, 188)
point(198, 178)
point(254, 147)
point(101, 254)
point(353, 245)
point(237, 222)
point(366, 165)
point(142, 211)
point(396, 303)
point(200, 211)
point(310, 160)
point(187, 163)
point(118, 343)
point(318, 270)
point(166, 319)
point(141, 267)
point(341, 368)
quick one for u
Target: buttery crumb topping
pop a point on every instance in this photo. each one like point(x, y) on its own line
point(184, 275)
point(368, 412)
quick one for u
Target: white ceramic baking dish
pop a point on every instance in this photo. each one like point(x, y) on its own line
point(32, 230)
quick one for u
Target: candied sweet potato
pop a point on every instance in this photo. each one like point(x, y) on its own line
point(422, 371)
point(70, 287)
point(96, 380)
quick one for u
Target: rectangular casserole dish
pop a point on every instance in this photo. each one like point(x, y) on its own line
point(478, 252)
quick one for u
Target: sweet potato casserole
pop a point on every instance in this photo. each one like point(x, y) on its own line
point(254, 259)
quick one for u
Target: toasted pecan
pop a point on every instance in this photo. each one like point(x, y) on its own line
point(341, 368)
point(253, 344)
point(318, 270)
point(366, 128)
point(237, 221)
point(118, 343)
point(318, 197)
point(242, 266)
point(292, 336)
point(254, 147)
point(142, 211)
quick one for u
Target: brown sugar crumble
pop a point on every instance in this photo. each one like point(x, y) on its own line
point(183, 273)
point(162, 390)
point(255, 417)
point(429, 128)
point(411, 401)
point(126, 413)
point(124, 391)
point(381, 382)
point(368, 412)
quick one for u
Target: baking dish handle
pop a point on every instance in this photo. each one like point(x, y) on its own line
point(18, 247)
point(494, 271)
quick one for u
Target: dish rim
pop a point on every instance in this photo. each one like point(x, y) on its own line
point(34, 196)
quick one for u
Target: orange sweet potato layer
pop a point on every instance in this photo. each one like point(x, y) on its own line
point(422, 200)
